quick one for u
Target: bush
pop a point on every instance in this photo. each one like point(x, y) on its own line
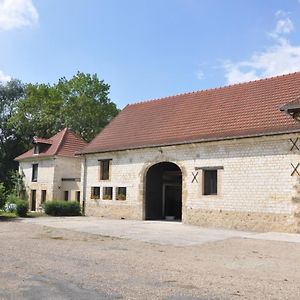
point(11, 198)
point(22, 208)
point(62, 208)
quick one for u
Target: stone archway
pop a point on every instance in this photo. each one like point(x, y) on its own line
point(163, 199)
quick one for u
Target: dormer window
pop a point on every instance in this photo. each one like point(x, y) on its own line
point(36, 149)
point(41, 145)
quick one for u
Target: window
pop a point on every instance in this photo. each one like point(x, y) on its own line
point(95, 192)
point(210, 180)
point(104, 169)
point(34, 172)
point(36, 149)
point(44, 196)
point(121, 193)
point(78, 196)
point(66, 195)
point(107, 193)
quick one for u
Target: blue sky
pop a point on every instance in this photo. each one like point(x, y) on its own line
point(148, 49)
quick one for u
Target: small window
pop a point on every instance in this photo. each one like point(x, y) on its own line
point(121, 193)
point(104, 169)
point(78, 196)
point(107, 193)
point(44, 196)
point(36, 149)
point(66, 195)
point(210, 180)
point(34, 172)
point(95, 192)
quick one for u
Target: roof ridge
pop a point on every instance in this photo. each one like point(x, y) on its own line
point(212, 89)
point(65, 130)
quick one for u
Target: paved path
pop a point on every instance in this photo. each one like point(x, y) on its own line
point(159, 232)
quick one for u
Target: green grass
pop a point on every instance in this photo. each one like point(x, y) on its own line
point(7, 215)
point(35, 214)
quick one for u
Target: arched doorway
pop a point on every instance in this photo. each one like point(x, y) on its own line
point(163, 192)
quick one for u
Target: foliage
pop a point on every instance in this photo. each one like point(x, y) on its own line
point(11, 144)
point(62, 208)
point(18, 186)
point(2, 195)
point(22, 208)
point(12, 198)
point(81, 104)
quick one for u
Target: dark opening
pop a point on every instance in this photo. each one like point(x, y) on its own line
point(33, 200)
point(163, 192)
point(66, 195)
point(210, 182)
point(78, 196)
point(44, 195)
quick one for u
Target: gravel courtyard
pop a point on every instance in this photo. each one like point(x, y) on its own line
point(41, 262)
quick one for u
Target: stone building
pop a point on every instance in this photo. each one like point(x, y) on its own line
point(225, 157)
point(51, 169)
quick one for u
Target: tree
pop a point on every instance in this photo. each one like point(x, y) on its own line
point(11, 144)
point(81, 104)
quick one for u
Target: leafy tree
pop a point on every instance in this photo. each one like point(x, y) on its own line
point(11, 144)
point(81, 103)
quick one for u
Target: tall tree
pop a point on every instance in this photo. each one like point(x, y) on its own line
point(10, 143)
point(81, 103)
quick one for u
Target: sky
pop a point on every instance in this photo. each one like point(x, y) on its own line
point(147, 49)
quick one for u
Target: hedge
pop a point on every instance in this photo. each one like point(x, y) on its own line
point(62, 208)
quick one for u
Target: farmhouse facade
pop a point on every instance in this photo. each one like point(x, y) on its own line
point(224, 157)
point(51, 169)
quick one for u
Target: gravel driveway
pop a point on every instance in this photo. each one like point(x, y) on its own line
point(41, 262)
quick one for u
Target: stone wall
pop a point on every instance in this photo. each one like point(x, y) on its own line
point(50, 174)
point(255, 187)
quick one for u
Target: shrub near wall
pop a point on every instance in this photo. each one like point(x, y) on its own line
point(22, 208)
point(62, 208)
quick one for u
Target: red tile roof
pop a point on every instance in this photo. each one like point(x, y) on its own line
point(246, 109)
point(64, 143)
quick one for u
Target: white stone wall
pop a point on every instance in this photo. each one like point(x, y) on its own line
point(45, 180)
point(256, 176)
point(50, 174)
point(66, 167)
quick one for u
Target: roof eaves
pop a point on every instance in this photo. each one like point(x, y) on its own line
point(191, 142)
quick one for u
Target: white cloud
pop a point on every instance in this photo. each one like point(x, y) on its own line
point(17, 14)
point(281, 58)
point(4, 77)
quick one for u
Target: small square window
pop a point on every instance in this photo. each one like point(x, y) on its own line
point(210, 182)
point(104, 169)
point(107, 193)
point(95, 192)
point(121, 193)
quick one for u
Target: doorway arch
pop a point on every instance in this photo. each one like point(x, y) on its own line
point(163, 199)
